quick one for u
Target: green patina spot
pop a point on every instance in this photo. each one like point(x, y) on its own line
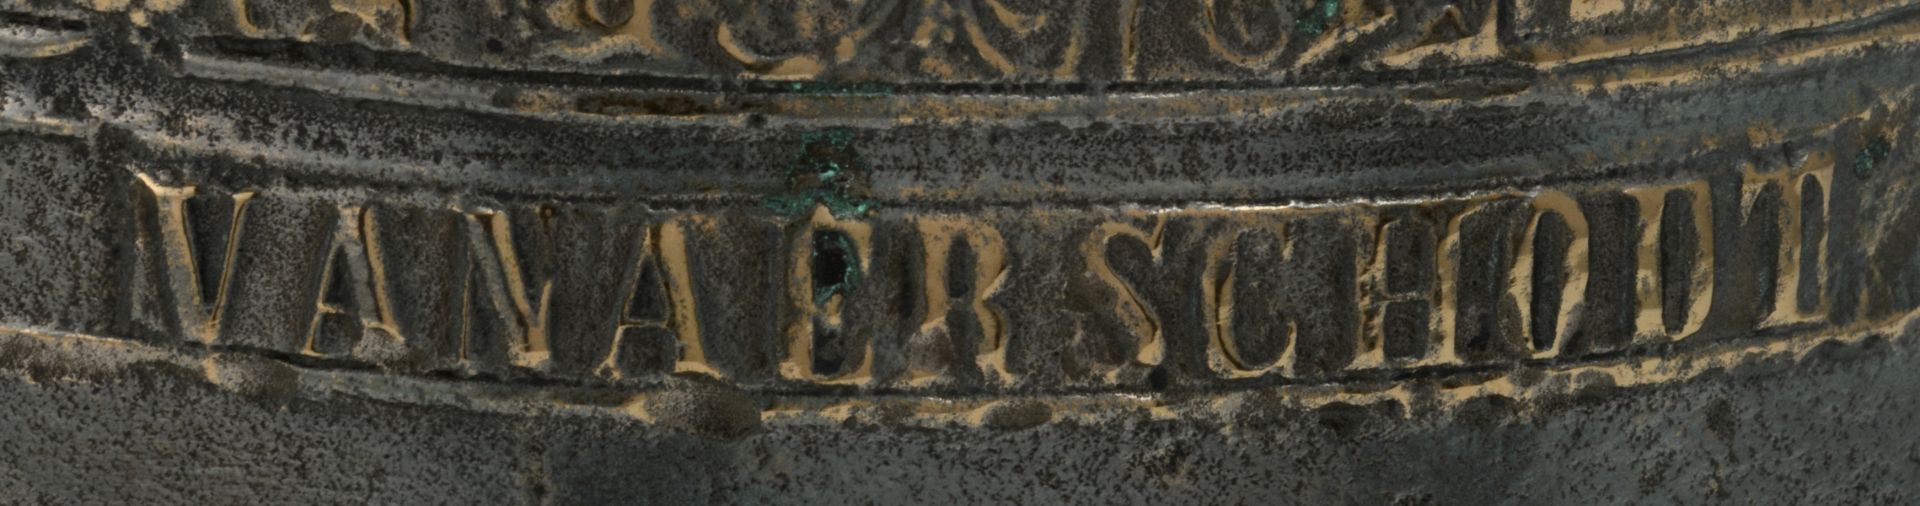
point(827, 172)
point(835, 265)
point(1873, 154)
point(1316, 18)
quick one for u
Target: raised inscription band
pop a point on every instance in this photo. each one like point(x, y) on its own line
point(1057, 298)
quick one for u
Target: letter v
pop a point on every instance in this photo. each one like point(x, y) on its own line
point(198, 319)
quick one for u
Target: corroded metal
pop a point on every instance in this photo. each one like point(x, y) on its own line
point(1090, 251)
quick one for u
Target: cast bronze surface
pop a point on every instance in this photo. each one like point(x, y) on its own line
point(982, 251)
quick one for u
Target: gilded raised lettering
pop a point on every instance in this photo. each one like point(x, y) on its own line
point(938, 235)
point(1543, 343)
point(198, 317)
point(354, 257)
point(1800, 265)
point(1219, 279)
point(817, 301)
point(1128, 306)
point(1651, 322)
point(490, 242)
point(663, 250)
